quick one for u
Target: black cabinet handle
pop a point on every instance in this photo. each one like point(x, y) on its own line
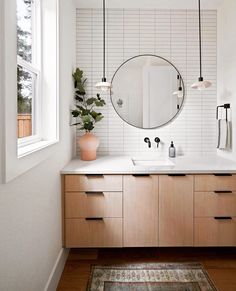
point(94, 193)
point(223, 192)
point(223, 217)
point(141, 175)
point(222, 175)
point(176, 175)
point(94, 218)
point(94, 175)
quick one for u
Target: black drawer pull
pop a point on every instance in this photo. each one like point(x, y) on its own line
point(141, 175)
point(94, 175)
point(94, 193)
point(223, 175)
point(223, 218)
point(176, 175)
point(94, 218)
point(223, 192)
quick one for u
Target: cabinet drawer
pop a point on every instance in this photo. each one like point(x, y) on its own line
point(93, 233)
point(212, 232)
point(215, 183)
point(93, 183)
point(208, 204)
point(93, 204)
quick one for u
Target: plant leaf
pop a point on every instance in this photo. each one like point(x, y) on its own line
point(100, 103)
point(78, 98)
point(75, 113)
point(86, 118)
point(90, 101)
point(99, 118)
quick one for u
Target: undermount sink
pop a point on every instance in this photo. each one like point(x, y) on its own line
point(152, 162)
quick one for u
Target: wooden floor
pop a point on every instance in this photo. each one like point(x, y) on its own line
point(219, 263)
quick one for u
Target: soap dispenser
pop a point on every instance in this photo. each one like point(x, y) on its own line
point(172, 151)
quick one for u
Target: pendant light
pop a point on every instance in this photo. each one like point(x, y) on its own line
point(104, 85)
point(179, 92)
point(201, 84)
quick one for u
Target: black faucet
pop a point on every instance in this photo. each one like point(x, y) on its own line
point(157, 140)
point(147, 140)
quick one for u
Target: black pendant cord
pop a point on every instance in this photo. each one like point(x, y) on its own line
point(104, 41)
point(200, 39)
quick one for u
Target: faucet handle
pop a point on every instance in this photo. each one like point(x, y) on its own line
point(157, 140)
point(147, 140)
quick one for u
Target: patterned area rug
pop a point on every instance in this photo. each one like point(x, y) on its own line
point(150, 277)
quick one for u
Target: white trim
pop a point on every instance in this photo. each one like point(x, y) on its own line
point(28, 66)
point(58, 71)
point(34, 67)
point(36, 34)
point(34, 147)
point(25, 141)
point(34, 155)
point(35, 105)
point(57, 270)
point(2, 93)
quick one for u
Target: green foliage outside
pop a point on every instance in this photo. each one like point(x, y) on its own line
point(85, 107)
point(24, 104)
point(24, 50)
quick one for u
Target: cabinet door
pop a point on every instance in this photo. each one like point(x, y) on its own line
point(140, 211)
point(175, 210)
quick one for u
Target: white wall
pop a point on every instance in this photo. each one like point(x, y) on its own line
point(30, 205)
point(227, 65)
point(153, 4)
point(2, 87)
point(172, 34)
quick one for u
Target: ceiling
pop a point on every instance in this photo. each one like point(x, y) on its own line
point(161, 4)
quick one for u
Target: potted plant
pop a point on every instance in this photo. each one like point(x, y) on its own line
point(86, 116)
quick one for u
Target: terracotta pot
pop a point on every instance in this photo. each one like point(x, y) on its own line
point(88, 144)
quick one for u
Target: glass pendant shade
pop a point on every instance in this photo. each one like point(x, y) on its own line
point(201, 84)
point(179, 92)
point(103, 86)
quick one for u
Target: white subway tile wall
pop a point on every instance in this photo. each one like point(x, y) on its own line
point(172, 34)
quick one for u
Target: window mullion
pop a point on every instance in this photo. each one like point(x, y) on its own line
point(28, 66)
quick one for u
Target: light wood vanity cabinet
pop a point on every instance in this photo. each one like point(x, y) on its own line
point(93, 183)
point(176, 210)
point(93, 211)
point(141, 210)
point(215, 210)
point(149, 210)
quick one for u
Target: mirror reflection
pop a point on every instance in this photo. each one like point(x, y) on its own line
point(147, 91)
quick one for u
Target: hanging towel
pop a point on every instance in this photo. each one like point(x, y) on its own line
point(224, 134)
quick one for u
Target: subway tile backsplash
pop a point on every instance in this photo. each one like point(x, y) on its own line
point(172, 34)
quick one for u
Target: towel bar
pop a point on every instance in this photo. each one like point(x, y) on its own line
point(226, 107)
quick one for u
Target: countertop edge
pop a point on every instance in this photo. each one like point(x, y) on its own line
point(149, 172)
point(123, 165)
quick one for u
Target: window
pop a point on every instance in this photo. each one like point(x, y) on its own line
point(33, 57)
point(28, 71)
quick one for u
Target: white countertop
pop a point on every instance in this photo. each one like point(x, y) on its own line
point(124, 165)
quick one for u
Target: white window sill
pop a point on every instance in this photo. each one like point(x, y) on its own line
point(29, 149)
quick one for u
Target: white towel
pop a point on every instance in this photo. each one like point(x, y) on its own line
point(224, 136)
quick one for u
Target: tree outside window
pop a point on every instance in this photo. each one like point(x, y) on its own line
point(27, 73)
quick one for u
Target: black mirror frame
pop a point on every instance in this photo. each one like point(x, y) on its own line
point(164, 59)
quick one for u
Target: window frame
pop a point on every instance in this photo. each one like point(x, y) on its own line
point(35, 69)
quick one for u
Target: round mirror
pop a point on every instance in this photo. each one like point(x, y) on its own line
point(147, 91)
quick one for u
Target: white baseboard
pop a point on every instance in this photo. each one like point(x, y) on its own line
point(57, 270)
